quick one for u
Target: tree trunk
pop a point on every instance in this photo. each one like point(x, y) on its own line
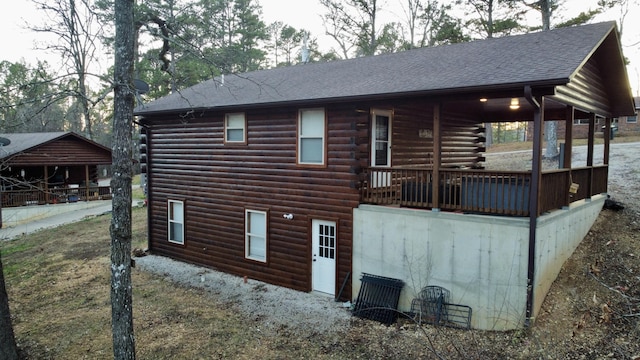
point(124, 100)
point(551, 139)
point(8, 348)
point(550, 127)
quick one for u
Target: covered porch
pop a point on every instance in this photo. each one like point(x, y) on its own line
point(52, 185)
point(455, 176)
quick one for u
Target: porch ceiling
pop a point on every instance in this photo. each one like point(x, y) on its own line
point(498, 109)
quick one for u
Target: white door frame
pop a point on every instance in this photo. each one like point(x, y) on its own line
point(324, 254)
point(379, 178)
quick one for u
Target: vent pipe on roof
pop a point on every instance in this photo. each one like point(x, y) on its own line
point(222, 80)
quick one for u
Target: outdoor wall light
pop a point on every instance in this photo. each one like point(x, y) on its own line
point(22, 173)
point(515, 104)
point(288, 216)
point(483, 99)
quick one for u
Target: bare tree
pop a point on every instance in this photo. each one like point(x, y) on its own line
point(75, 25)
point(352, 23)
point(493, 17)
point(124, 100)
point(623, 7)
point(430, 23)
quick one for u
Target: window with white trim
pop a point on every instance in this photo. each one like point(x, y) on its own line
point(632, 119)
point(235, 128)
point(176, 221)
point(311, 137)
point(255, 235)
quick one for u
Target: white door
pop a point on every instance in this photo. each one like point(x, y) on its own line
point(380, 146)
point(323, 256)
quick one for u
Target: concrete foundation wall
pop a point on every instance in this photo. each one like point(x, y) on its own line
point(482, 260)
point(559, 234)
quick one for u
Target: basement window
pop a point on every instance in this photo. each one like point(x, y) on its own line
point(176, 221)
point(235, 126)
point(256, 235)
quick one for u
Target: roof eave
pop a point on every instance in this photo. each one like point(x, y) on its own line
point(542, 88)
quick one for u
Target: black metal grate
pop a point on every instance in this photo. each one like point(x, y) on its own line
point(378, 298)
point(431, 304)
point(433, 307)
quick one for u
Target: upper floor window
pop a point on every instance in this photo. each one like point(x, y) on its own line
point(311, 137)
point(176, 221)
point(235, 127)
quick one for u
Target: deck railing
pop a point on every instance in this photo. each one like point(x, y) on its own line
point(480, 191)
point(35, 196)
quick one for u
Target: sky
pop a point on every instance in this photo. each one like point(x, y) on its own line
point(19, 43)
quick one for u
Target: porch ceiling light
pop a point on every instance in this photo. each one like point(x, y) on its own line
point(515, 104)
point(483, 99)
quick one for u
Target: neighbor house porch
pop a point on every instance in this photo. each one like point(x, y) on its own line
point(51, 168)
point(51, 185)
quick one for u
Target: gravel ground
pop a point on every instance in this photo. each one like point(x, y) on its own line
point(278, 306)
point(275, 306)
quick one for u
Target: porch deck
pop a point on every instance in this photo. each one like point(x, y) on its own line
point(480, 191)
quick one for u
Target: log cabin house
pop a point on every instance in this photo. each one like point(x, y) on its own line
point(311, 175)
point(50, 168)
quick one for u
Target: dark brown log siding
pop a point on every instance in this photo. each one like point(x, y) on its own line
point(66, 151)
point(408, 148)
point(188, 161)
point(462, 142)
point(586, 91)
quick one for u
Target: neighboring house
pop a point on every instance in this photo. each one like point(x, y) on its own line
point(629, 124)
point(310, 176)
point(623, 125)
point(50, 167)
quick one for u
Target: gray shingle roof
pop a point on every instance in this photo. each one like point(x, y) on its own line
point(21, 142)
point(542, 58)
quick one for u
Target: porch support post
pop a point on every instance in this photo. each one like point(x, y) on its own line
point(534, 195)
point(568, 137)
point(46, 184)
point(591, 138)
point(86, 182)
point(590, 145)
point(607, 139)
point(568, 150)
point(437, 157)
